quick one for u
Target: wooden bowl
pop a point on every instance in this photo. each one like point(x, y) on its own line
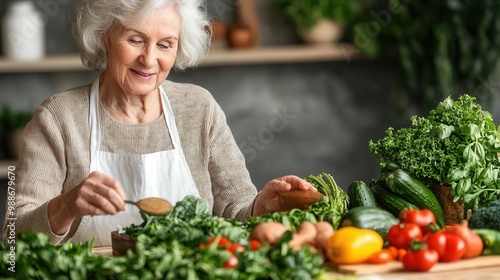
point(121, 243)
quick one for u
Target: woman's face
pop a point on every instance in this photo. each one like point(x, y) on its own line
point(141, 56)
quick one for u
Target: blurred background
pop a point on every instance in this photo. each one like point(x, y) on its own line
point(304, 84)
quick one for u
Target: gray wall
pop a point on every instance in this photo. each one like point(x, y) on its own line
point(303, 118)
point(326, 114)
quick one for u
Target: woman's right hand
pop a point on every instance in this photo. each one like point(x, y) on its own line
point(98, 194)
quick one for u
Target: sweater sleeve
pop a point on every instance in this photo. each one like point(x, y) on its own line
point(232, 188)
point(40, 174)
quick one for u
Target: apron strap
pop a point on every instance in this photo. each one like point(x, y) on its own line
point(169, 118)
point(95, 136)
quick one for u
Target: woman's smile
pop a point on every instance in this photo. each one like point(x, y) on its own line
point(143, 75)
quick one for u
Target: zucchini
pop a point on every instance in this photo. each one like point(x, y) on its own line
point(373, 218)
point(360, 195)
point(391, 201)
point(415, 192)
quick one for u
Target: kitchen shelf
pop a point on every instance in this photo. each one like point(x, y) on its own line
point(53, 63)
point(216, 57)
point(281, 54)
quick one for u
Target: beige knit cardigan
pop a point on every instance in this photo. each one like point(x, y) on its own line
point(55, 153)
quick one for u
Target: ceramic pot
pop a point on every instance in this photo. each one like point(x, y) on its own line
point(324, 32)
point(454, 212)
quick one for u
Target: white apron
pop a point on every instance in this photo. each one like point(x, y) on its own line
point(162, 174)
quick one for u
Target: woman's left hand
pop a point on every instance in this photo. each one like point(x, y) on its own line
point(267, 200)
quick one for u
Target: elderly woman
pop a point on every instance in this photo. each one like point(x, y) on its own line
point(133, 134)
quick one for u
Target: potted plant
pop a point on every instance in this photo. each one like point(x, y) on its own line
point(443, 48)
point(319, 21)
point(13, 123)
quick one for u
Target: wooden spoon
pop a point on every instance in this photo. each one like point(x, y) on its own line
point(153, 206)
point(299, 198)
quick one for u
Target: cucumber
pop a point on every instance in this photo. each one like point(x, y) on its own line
point(415, 192)
point(387, 167)
point(373, 218)
point(360, 195)
point(390, 201)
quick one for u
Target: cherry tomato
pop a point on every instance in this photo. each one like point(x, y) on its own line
point(223, 241)
point(254, 244)
point(382, 256)
point(401, 253)
point(397, 253)
point(448, 246)
point(401, 235)
point(394, 251)
point(233, 248)
point(231, 262)
point(420, 260)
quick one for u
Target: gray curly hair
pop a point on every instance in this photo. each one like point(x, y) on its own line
point(94, 18)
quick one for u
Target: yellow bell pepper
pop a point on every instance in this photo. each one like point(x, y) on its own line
point(352, 245)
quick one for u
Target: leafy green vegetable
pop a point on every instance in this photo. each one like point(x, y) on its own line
point(166, 248)
point(325, 184)
point(457, 144)
point(190, 222)
point(35, 257)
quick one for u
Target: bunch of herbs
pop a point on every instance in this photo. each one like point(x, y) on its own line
point(457, 145)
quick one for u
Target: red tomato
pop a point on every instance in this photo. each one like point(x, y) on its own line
point(420, 260)
point(382, 256)
point(424, 218)
point(448, 246)
point(254, 244)
point(231, 262)
point(223, 241)
point(233, 248)
point(401, 235)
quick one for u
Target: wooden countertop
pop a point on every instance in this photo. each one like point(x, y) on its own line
point(487, 273)
point(461, 270)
